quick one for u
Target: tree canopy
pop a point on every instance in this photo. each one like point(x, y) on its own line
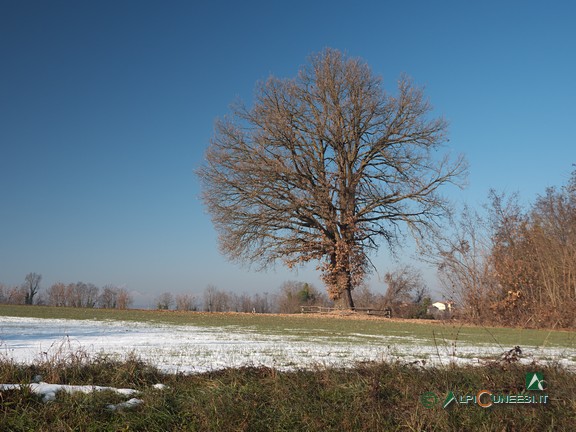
point(324, 167)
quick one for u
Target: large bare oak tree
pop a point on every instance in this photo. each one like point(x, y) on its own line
point(323, 167)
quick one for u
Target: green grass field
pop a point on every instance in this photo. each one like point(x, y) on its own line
point(307, 325)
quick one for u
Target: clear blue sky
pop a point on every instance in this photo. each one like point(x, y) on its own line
point(106, 109)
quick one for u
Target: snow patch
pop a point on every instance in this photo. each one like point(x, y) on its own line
point(48, 391)
point(128, 404)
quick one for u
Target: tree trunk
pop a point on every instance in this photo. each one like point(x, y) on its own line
point(339, 281)
point(347, 291)
point(348, 298)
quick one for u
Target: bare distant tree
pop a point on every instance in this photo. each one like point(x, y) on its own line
point(405, 285)
point(12, 295)
point(57, 294)
point(241, 302)
point(124, 299)
point(462, 256)
point(209, 295)
point(185, 302)
point(73, 294)
point(17, 295)
point(165, 301)
point(91, 295)
point(108, 297)
point(113, 297)
point(260, 303)
point(81, 294)
point(365, 298)
point(216, 300)
point(325, 166)
point(32, 285)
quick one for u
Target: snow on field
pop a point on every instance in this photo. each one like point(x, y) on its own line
point(192, 349)
point(48, 391)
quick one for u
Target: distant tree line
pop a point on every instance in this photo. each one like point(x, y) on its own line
point(215, 300)
point(78, 294)
point(406, 296)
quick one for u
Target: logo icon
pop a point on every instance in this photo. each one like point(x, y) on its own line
point(535, 381)
point(429, 399)
point(449, 399)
